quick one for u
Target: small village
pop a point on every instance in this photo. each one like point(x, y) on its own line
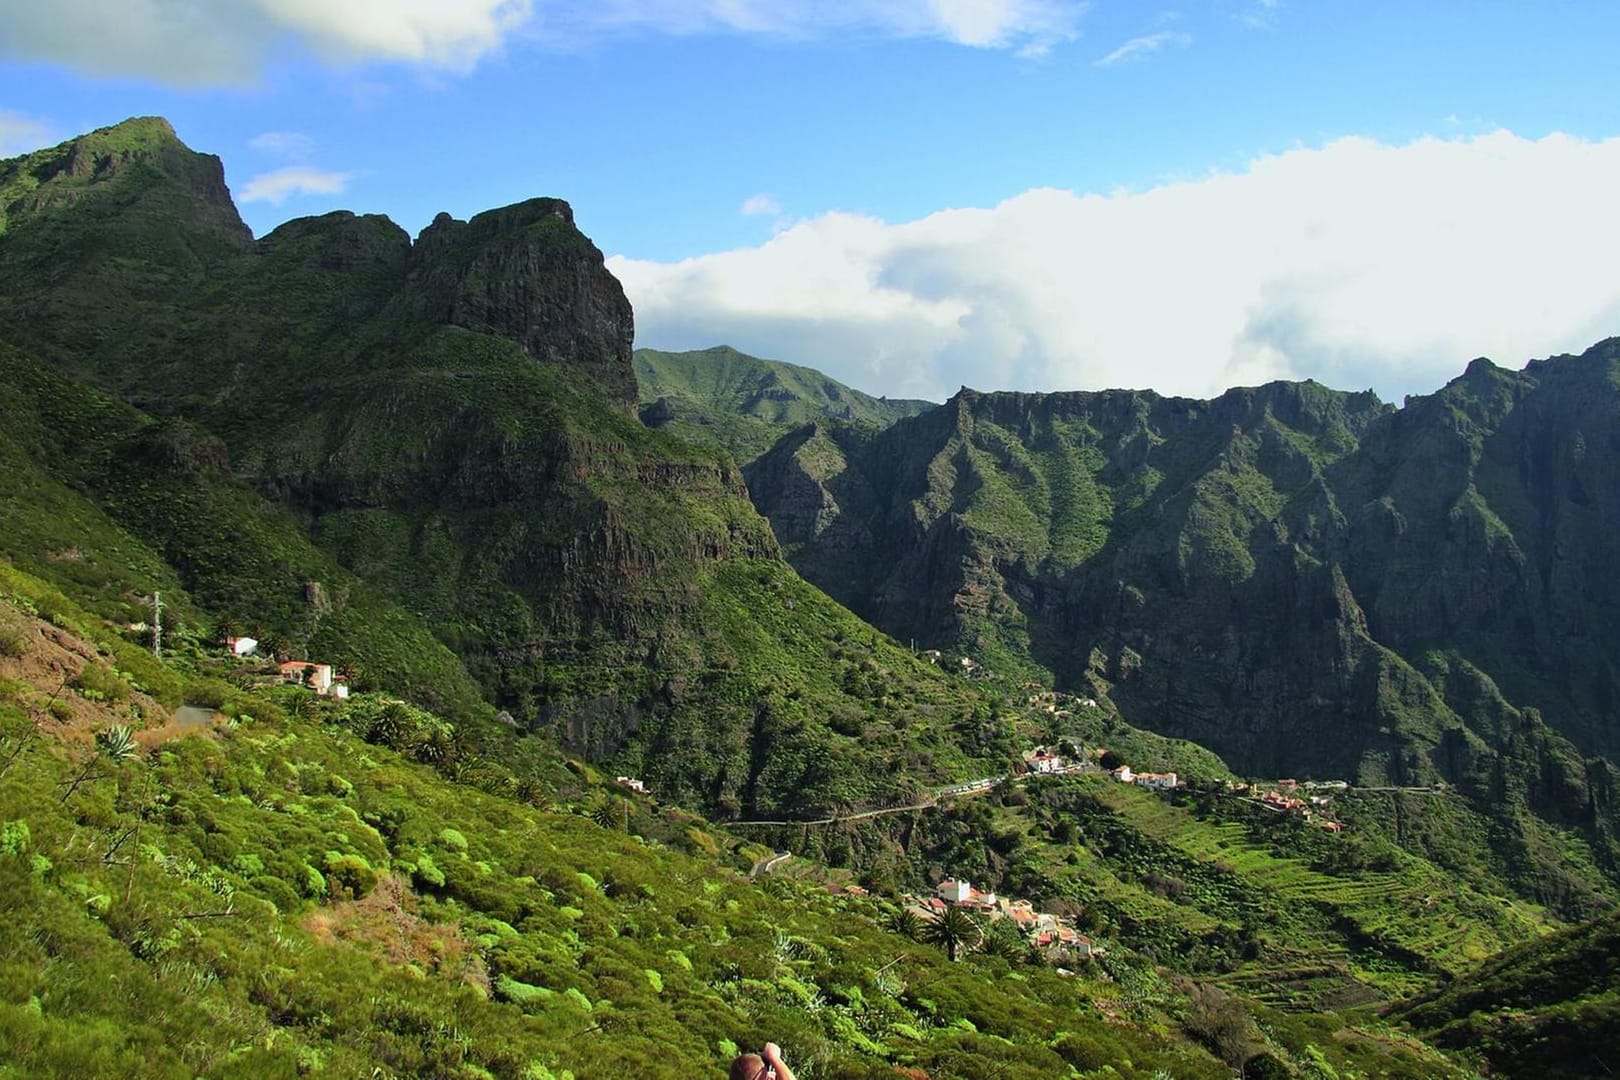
point(1054, 935)
point(306, 673)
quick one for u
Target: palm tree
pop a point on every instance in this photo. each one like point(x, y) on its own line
point(907, 924)
point(955, 931)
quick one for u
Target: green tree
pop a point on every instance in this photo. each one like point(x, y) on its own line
point(955, 931)
point(907, 924)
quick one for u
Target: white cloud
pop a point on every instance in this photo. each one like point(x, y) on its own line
point(1259, 15)
point(1027, 25)
point(284, 144)
point(1138, 47)
point(759, 205)
point(188, 42)
point(201, 42)
point(1357, 263)
point(277, 187)
point(20, 133)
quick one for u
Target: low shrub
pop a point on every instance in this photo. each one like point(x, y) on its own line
point(97, 682)
point(13, 641)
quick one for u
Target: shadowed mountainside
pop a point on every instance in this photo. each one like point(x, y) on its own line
point(446, 425)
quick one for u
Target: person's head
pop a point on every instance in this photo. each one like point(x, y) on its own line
point(750, 1067)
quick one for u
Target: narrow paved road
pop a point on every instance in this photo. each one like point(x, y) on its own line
point(766, 865)
point(953, 791)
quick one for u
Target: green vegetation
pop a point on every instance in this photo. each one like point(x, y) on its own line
point(226, 429)
point(420, 462)
point(1279, 575)
point(1549, 1008)
point(280, 898)
point(745, 404)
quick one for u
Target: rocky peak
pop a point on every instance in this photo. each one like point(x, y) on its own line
point(142, 154)
point(341, 241)
point(525, 272)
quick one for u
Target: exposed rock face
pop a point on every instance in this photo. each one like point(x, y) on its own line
point(454, 418)
point(525, 272)
point(1301, 579)
point(341, 241)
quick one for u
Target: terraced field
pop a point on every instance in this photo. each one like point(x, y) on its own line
point(1291, 914)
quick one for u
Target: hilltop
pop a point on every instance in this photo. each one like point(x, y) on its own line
point(745, 404)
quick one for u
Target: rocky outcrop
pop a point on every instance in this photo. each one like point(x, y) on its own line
point(524, 272)
point(1275, 573)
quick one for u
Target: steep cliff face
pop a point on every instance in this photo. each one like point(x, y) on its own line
point(1303, 580)
point(525, 273)
point(451, 422)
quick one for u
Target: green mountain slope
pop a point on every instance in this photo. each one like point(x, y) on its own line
point(1550, 1008)
point(745, 404)
point(440, 433)
point(272, 895)
point(1302, 580)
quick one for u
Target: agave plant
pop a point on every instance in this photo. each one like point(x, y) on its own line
point(116, 743)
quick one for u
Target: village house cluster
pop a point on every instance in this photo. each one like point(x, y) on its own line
point(306, 673)
point(1053, 703)
point(1284, 797)
point(1046, 761)
point(1053, 934)
point(1155, 781)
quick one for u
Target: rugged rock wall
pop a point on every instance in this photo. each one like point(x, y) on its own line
point(1287, 573)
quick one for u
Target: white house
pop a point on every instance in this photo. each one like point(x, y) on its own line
point(241, 646)
point(1124, 775)
point(1157, 781)
point(318, 677)
point(955, 892)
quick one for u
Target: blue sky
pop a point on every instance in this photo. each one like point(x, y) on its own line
point(783, 176)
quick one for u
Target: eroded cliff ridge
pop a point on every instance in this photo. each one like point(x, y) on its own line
point(1303, 580)
point(451, 421)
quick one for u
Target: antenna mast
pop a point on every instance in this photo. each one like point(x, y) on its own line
point(157, 624)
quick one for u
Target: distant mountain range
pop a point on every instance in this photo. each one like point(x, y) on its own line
point(1303, 580)
point(746, 404)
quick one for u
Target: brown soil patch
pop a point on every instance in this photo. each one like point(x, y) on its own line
point(386, 922)
point(51, 658)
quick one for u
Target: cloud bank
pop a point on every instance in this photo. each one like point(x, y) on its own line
point(1357, 263)
point(293, 181)
point(205, 42)
point(194, 42)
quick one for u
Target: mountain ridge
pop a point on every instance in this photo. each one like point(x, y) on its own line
point(451, 421)
point(743, 403)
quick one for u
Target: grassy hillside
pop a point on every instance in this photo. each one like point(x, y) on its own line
point(270, 895)
point(1550, 1008)
point(745, 404)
